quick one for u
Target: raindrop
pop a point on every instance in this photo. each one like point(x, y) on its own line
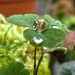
point(37, 40)
point(45, 48)
point(39, 25)
point(55, 27)
point(35, 25)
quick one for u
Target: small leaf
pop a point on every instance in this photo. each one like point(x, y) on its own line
point(49, 19)
point(52, 37)
point(33, 36)
point(14, 68)
point(26, 20)
point(29, 34)
point(50, 22)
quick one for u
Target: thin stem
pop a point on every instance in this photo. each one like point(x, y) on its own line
point(74, 48)
point(35, 61)
point(8, 30)
point(39, 61)
point(6, 34)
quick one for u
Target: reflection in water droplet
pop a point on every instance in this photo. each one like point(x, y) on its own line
point(35, 25)
point(55, 27)
point(37, 40)
point(38, 25)
point(45, 48)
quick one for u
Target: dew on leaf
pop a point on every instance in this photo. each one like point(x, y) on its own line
point(35, 25)
point(55, 27)
point(37, 40)
point(38, 25)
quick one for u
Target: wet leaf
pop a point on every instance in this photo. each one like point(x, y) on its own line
point(50, 37)
point(26, 20)
point(30, 34)
point(50, 22)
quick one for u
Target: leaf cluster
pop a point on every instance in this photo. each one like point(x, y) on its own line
point(51, 35)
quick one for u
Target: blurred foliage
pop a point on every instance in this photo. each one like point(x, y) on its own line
point(14, 68)
point(13, 47)
point(63, 10)
point(69, 21)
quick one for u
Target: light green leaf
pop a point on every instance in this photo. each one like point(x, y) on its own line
point(2, 51)
point(14, 68)
point(26, 20)
point(48, 21)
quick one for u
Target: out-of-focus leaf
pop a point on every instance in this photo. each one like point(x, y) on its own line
point(69, 21)
point(2, 51)
point(62, 62)
point(14, 68)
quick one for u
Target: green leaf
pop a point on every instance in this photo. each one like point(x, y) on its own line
point(50, 23)
point(62, 62)
point(14, 68)
point(31, 34)
point(50, 37)
point(26, 20)
point(2, 51)
point(49, 19)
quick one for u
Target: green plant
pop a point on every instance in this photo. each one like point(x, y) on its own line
point(45, 32)
point(14, 68)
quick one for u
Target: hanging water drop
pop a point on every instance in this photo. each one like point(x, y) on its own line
point(35, 25)
point(55, 27)
point(37, 40)
point(39, 25)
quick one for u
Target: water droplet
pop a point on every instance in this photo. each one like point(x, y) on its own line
point(37, 40)
point(55, 27)
point(35, 25)
point(39, 25)
point(45, 48)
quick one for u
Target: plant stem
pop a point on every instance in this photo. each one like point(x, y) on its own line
point(39, 61)
point(35, 61)
point(6, 34)
point(74, 48)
